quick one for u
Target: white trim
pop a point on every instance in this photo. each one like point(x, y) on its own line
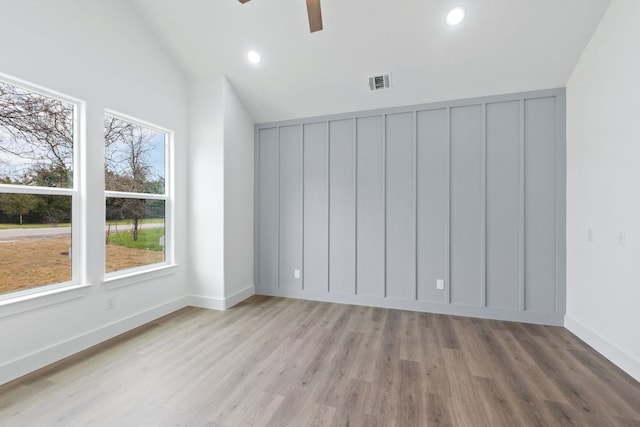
point(239, 296)
point(132, 276)
point(23, 84)
point(214, 303)
point(78, 215)
point(34, 189)
point(126, 277)
point(41, 358)
point(141, 196)
point(420, 306)
point(136, 121)
point(615, 354)
point(19, 302)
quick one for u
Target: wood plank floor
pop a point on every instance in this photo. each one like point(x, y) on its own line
point(276, 362)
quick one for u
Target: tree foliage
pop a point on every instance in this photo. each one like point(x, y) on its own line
point(36, 132)
point(36, 149)
point(128, 168)
point(19, 204)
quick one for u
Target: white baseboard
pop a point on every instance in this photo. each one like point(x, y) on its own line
point(615, 354)
point(554, 319)
point(239, 296)
point(39, 359)
point(214, 303)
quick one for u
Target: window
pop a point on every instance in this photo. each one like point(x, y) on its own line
point(38, 188)
point(137, 200)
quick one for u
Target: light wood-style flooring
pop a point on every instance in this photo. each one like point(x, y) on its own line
point(276, 362)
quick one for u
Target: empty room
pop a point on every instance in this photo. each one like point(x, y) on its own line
point(319, 212)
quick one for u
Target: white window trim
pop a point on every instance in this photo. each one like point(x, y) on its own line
point(47, 294)
point(139, 274)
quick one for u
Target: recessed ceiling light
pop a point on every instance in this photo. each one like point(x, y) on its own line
point(254, 57)
point(455, 16)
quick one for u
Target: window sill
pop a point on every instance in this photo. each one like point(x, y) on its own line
point(36, 300)
point(131, 277)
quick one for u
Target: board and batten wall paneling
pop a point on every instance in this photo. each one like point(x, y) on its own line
point(267, 233)
point(466, 205)
point(342, 207)
point(503, 204)
point(290, 207)
point(540, 204)
point(432, 135)
point(316, 207)
point(401, 206)
point(370, 208)
point(376, 207)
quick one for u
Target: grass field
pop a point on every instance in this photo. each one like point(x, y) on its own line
point(35, 262)
point(66, 224)
point(24, 226)
point(147, 239)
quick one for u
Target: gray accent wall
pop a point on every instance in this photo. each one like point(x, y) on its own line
point(375, 207)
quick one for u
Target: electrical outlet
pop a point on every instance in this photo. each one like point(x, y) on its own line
point(440, 284)
point(296, 274)
point(111, 303)
point(622, 239)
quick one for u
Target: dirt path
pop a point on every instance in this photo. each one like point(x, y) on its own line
point(25, 264)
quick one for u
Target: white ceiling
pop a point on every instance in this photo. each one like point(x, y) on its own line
point(503, 46)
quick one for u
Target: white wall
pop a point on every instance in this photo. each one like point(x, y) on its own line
point(603, 189)
point(99, 52)
point(221, 195)
point(206, 192)
point(238, 196)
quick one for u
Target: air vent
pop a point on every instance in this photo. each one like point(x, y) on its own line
point(380, 82)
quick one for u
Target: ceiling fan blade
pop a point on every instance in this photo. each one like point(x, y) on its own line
point(315, 15)
point(243, 1)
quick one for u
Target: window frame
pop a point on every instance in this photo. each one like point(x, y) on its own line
point(78, 220)
point(115, 279)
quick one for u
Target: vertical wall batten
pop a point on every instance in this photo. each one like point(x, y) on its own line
point(483, 209)
point(302, 159)
point(384, 198)
point(561, 184)
point(414, 138)
point(256, 208)
point(521, 236)
point(469, 191)
point(327, 142)
point(355, 198)
point(278, 205)
point(447, 283)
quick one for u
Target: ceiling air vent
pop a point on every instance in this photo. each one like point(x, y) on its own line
point(380, 82)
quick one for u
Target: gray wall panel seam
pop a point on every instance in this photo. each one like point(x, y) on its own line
point(521, 208)
point(561, 179)
point(483, 210)
point(355, 202)
point(302, 222)
point(328, 143)
point(256, 207)
point(448, 231)
point(415, 204)
point(278, 206)
point(384, 197)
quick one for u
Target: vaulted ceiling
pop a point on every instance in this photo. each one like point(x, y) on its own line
point(502, 46)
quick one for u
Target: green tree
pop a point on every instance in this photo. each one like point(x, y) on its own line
point(128, 168)
point(19, 204)
point(36, 132)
